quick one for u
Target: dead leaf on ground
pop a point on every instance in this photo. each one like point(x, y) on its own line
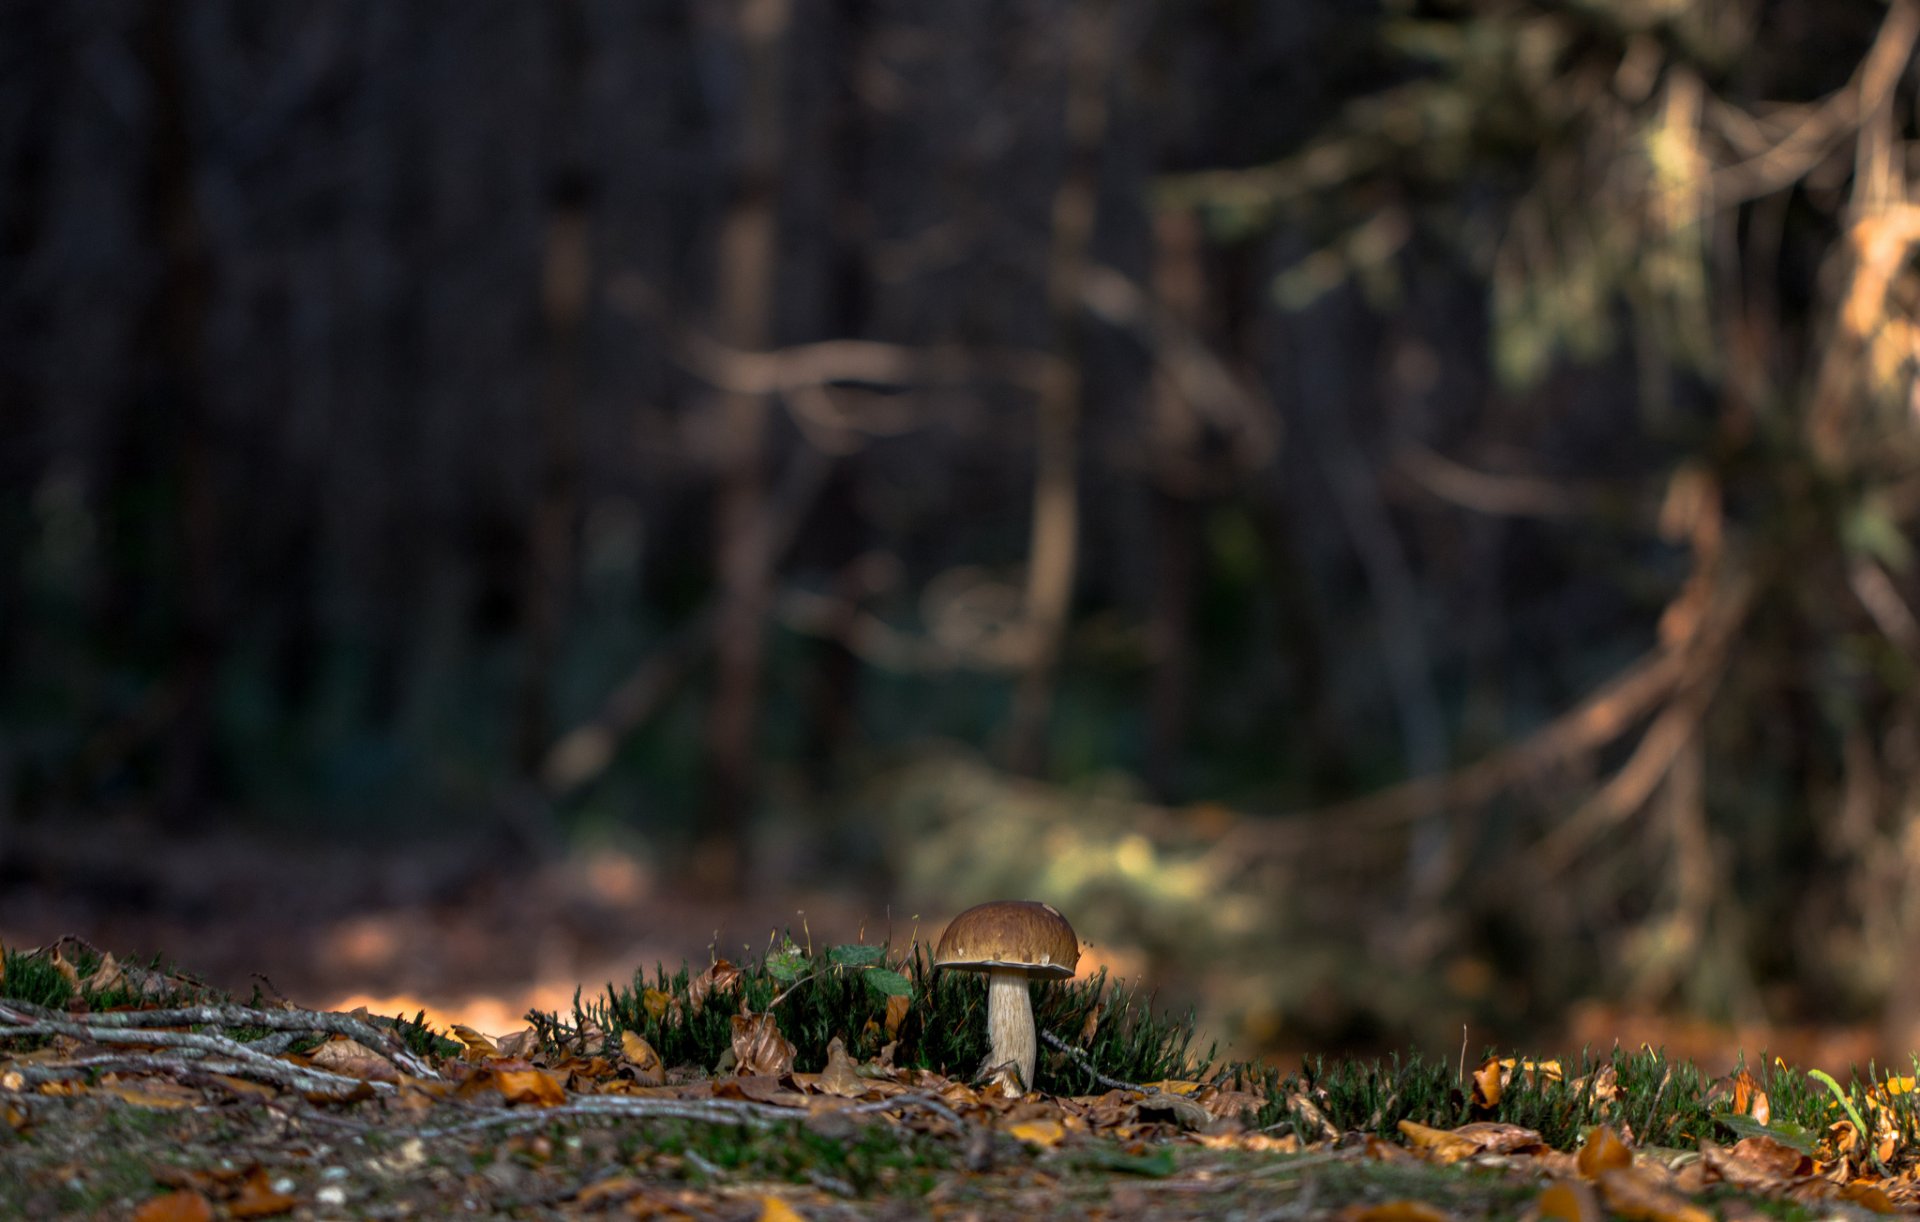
point(480, 1046)
point(354, 1059)
point(841, 1077)
point(1568, 1201)
point(1634, 1195)
point(106, 976)
point(897, 1007)
point(1394, 1211)
point(259, 1199)
point(643, 1063)
point(175, 1207)
point(1756, 1162)
point(1603, 1151)
point(1485, 1137)
point(525, 1084)
point(758, 1046)
point(773, 1209)
point(151, 1092)
point(1044, 1134)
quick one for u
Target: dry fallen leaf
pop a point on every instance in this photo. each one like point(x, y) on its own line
point(1483, 1137)
point(526, 1084)
point(773, 1209)
point(896, 1014)
point(643, 1063)
point(841, 1077)
point(1632, 1194)
point(175, 1207)
point(1394, 1211)
point(1045, 1134)
point(259, 1199)
point(758, 1046)
point(354, 1059)
point(1568, 1201)
point(479, 1045)
point(152, 1093)
point(104, 977)
point(1603, 1151)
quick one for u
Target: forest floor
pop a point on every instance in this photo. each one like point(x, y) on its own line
point(480, 940)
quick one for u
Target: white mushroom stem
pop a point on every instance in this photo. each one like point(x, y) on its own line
point(1010, 1023)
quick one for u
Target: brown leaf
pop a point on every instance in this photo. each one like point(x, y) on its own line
point(1484, 1137)
point(258, 1199)
point(1042, 1133)
point(656, 1003)
point(1487, 1084)
point(841, 1077)
point(1869, 1196)
point(718, 980)
point(58, 963)
point(480, 1046)
point(897, 1013)
point(526, 1084)
point(167, 1096)
point(104, 977)
point(175, 1207)
point(1602, 1152)
point(643, 1063)
point(1090, 1026)
point(522, 1043)
point(354, 1059)
point(1639, 1198)
point(759, 1088)
point(1756, 1162)
point(1394, 1211)
point(1568, 1201)
point(758, 1046)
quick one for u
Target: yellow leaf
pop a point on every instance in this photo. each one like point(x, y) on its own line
point(478, 1044)
point(530, 1086)
point(1173, 1087)
point(1043, 1133)
point(773, 1209)
point(1394, 1211)
point(1602, 1152)
point(646, 1066)
point(896, 1014)
point(655, 1001)
point(1567, 1201)
point(163, 1095)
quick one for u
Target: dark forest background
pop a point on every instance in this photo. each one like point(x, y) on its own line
point(1417, 495)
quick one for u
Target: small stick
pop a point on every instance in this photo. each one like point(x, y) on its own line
point(375, 1039)
point(266, 1066)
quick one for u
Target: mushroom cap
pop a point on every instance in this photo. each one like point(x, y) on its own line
point(1021, 935)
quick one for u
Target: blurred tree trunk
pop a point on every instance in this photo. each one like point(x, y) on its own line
point(744, 320)
point(170, 412)
point(1175, 441)
point(1053, 553)
point(566, 279)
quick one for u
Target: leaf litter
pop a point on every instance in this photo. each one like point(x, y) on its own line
point(132, 1091)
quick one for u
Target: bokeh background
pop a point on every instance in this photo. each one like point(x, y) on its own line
point(1393, 515)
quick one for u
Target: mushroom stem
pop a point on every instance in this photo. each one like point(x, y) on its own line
point(1010, 1024)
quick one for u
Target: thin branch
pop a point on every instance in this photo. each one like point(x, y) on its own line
point(229, 1016)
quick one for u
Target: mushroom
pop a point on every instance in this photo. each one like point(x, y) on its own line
point(1012, 941)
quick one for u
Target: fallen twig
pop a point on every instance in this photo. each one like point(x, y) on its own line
point(20, 1020)
point(365, 1033)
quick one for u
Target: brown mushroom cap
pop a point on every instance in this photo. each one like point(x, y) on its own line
point(1005, 935)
